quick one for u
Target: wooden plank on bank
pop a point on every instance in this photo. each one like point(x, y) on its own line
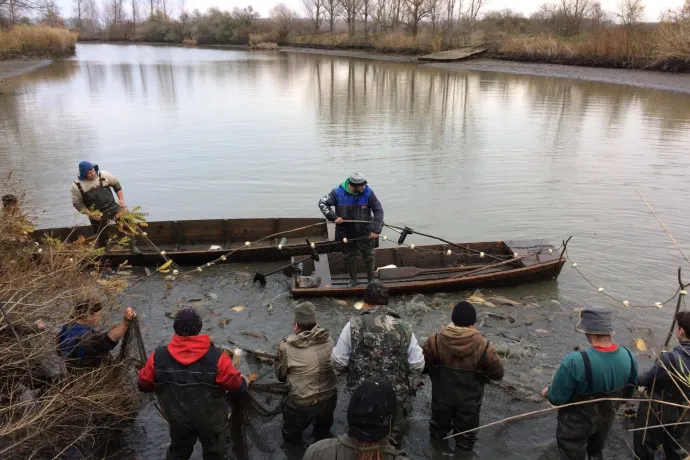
point(458, 54)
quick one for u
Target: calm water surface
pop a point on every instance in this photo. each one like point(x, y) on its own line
point(195, 133)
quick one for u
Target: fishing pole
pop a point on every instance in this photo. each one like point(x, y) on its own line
point(405, 231)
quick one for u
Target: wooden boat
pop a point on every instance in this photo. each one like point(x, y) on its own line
point(188, 242)
point(503, 263)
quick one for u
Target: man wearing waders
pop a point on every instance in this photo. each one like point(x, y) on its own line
point(460, 361)
point(93, 191)
point(191, 378)
point(355, 200)
point(378, 345)
point(604, 371)
point(304, 363)
point(667, 380)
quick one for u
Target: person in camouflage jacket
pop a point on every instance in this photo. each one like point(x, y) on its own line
point(377, 344)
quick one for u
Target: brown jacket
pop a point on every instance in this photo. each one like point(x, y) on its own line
point(462, 348)
point(345, 448)
point(304, 363)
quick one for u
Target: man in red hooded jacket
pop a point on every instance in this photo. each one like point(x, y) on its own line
point(191, 377)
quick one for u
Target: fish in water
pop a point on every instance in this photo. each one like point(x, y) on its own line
point(238, 308)
point(479, 301)
point(257, 334)
point(359, 305)
point(341, 302)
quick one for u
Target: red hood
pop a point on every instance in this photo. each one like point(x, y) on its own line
point(187, 350)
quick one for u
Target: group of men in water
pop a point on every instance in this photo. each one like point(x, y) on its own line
point(384, 364)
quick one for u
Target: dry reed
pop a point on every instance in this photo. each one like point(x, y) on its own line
point(36, 42)
point(666, 47)
point(392, 42)
point(45, 409)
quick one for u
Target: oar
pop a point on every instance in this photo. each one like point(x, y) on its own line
point(408, 272)
point(262, 278)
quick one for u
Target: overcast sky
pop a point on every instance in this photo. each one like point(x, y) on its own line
point(653, 7)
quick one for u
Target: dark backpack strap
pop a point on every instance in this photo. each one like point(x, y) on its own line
point(81, 189)
point(588, 371)
point(632, 364)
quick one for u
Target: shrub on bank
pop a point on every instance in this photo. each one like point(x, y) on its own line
point(36, 42)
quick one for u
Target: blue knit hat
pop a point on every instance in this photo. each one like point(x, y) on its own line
point(84, 167)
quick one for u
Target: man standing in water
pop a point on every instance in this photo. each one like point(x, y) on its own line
point(92, 194)
point(304, 362)
point(604, 371)
point(667, 380)
point(460, 361)
point(378, 345)
point(191, 378)
point(355, 200)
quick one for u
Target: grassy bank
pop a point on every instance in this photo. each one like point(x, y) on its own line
point(666, 48)
point(36, 42)
point(393, 42)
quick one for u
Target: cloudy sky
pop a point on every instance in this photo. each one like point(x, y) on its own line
point(653, 7)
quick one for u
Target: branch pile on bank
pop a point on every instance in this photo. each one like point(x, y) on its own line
point(44, 409)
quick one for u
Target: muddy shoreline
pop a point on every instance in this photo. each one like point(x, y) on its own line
point(16, 67)
point(662, 81)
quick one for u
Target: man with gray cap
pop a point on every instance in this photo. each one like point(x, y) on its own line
point(605, 370)
point(191, 377)
point(355, 200)
point(370, 413)
point(304, 363)
point(378, 344)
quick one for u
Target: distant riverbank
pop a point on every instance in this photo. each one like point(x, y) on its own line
point(640, 78)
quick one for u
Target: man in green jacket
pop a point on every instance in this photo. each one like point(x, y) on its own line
point(304, 363)
point(605, 370)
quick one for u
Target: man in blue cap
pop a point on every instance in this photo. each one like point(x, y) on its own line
point(92, 194)
point(354, 200)
point(605, 370)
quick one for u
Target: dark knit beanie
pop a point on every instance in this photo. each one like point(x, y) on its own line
point(376, 294)
point(464, 314)
point(187, 322)
point(371, 411)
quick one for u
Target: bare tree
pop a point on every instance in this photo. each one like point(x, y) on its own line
point(598, 16)
point(78, 6)
point(434, 13)
point(472, 13)
point(113, 13)
point(92, 18)
point(331, 10)
point(134, 15)
point(284, 17)
point(381, 15)
point(630, 13)
point(417, 10)
point(572, 14)
point(314, 11)
point(350, 10)
point(366, 14)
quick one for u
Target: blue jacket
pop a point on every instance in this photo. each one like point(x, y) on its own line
point(363, 206)
point(676, 360)
point(83, 346)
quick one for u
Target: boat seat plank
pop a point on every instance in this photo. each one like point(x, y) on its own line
point(524, 247)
